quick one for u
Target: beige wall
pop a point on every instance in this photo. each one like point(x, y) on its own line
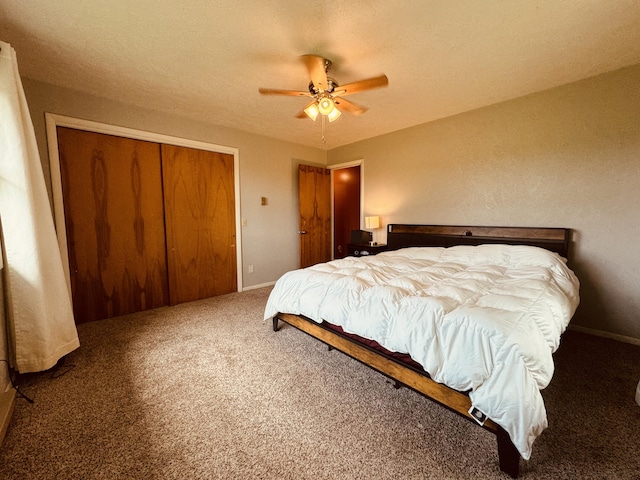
point(567, 157)
point(268, 168)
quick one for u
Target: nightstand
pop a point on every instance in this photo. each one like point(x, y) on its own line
point(358, 250)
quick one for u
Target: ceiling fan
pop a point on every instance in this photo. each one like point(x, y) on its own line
point(327, 94)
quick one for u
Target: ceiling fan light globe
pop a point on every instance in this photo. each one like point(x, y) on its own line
point(334, 114)
point(312, 111)
point(325, 105)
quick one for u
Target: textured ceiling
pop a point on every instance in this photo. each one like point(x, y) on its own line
point(206, 60)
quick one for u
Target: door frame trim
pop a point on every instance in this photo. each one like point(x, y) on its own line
point(53, 121)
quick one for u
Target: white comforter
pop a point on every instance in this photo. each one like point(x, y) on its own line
point(485, 318)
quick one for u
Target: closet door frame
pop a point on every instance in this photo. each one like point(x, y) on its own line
point(53, 121)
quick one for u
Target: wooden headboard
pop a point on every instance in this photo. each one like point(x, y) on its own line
point(400, 235)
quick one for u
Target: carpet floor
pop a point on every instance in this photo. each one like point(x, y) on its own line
point(206, 390)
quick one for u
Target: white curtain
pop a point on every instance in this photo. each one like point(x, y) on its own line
point(41, 327)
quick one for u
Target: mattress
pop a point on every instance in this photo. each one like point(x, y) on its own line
point(484, 319)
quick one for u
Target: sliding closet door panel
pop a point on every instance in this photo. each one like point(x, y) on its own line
point(200, 223)
point(112, 194)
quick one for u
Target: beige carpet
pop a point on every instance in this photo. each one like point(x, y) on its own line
point(207, 390)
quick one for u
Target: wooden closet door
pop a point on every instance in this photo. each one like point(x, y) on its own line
point(199, 204)
point(112, 194)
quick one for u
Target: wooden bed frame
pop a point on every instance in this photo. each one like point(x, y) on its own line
point(399, 236)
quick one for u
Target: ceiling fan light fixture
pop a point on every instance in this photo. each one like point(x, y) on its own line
point(334, 114)
point(325, 94)
point(325, 105)
point(312, 110)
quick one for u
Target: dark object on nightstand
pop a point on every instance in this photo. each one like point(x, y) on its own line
point(362, 250)
point(361, 237)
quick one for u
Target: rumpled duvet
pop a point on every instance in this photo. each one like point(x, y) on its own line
point(484, 319)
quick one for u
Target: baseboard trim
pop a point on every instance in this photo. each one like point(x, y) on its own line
point(602, 333)
point(7, 401)
point(255, 287)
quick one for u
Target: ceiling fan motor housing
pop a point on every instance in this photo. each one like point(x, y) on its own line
point(331, 86)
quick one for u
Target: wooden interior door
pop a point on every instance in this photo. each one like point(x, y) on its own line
point(199, 205)
point(346, 207)
point(314, 189)
point(112, 195)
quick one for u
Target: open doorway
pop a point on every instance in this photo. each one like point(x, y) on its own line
point(347, 183)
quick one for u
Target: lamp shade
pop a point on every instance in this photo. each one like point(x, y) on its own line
point(372, 222)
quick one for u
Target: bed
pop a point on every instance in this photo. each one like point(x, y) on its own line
point(467, 316)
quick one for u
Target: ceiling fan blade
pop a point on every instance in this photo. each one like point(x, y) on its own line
point(317, 71)
point(349, 107)
point(291, 93)
point(360, 86)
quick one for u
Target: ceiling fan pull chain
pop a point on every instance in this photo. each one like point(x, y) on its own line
point(323, 139)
